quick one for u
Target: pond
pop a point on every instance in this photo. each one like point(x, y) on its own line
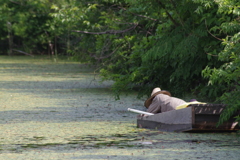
point(60, 110)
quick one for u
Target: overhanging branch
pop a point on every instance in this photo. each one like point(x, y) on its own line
point(23, 52)
point(211, 33)
point(139, 14)
point(106, 56)
point(169, 15)
point(107, 32)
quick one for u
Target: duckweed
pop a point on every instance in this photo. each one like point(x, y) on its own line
point(60, 110)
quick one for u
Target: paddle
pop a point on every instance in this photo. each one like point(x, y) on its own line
point(140, 112)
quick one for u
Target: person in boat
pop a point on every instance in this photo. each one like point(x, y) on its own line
point(161, 101)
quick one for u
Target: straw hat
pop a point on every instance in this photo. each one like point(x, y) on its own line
point(155, 92)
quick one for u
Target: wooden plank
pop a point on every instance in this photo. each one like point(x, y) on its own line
point(204, 120)
point(193, 115)
point(210, 122)
point(208, 108)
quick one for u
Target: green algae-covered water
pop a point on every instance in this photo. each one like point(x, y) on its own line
point(60, 110)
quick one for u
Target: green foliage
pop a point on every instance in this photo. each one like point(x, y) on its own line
point(172, 57)
point(182, 46)
point(232, 99)
point(25, 23)
point(201, 34)
point(228, 73)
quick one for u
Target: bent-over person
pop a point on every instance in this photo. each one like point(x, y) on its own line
point(161, 101)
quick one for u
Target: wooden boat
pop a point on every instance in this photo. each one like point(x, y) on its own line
point(194, 118)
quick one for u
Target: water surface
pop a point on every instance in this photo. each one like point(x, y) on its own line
point(60, 110)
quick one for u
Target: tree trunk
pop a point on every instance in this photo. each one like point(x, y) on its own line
point(10, 38)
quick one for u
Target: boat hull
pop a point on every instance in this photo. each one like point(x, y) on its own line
point(196, 117)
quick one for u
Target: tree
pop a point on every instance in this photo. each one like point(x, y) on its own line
point(228, 74)
point(28, 25)
point(168, 50)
